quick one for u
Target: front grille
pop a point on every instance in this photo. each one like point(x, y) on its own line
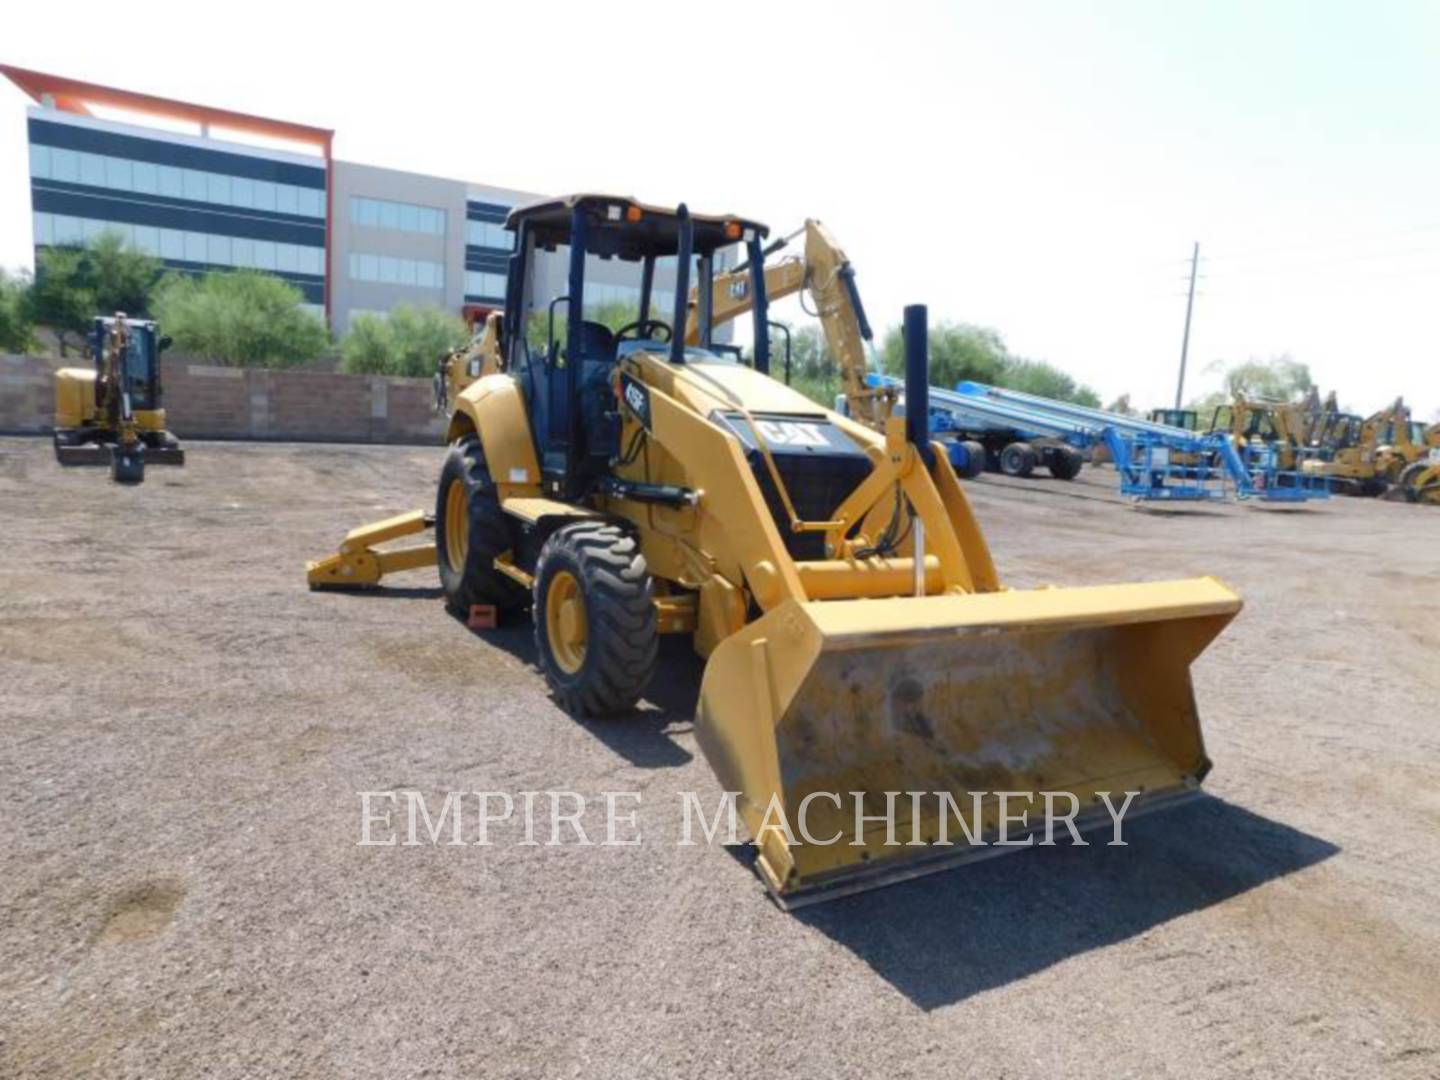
point(818, 463)
point(817, 486)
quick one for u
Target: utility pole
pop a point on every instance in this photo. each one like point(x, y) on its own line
point(1189, 307)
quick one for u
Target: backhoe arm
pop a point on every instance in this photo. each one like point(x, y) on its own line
point(826, 275)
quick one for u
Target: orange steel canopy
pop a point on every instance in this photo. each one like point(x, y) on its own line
point(73, 95)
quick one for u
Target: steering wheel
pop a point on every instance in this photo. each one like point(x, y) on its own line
point(644, 328)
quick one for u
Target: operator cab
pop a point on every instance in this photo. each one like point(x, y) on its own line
point(564, 336)
point(140, 372)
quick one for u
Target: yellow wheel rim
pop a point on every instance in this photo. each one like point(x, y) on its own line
point(566, 626)
point(457, 526)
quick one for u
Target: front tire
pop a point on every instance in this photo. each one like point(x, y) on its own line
point(595, 619)
point(470, 530)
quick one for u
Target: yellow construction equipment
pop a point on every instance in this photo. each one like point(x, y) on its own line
point(112, 414)
point(859, 642)
point(1419, 480)
point(1368, 456)
point(1283, 426)
point(826, 276)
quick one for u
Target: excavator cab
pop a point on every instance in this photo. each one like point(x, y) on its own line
point(138, 367)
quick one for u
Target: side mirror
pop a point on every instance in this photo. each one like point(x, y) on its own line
point(164, 343)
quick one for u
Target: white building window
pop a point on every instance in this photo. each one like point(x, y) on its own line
point(389, 270)
point(488, 234)
point(402, 217)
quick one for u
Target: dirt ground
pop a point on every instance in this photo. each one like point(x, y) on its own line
point(184, 729)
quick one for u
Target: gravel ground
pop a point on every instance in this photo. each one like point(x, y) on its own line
point(185, 730)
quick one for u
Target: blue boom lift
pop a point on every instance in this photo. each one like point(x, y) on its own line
point(1156, 461)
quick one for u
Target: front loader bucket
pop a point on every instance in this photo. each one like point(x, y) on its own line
point(827, 706)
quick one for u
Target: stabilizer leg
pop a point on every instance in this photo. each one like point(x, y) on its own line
point(358, 566)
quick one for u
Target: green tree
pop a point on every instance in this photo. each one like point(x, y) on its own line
point(409, 341)
point(16, 322)
point(1122, 406)
point(958, 351)
point(74, 284)
point(1280, 378)
point(124, 277)
point(1045, 380)
point(368, 346)
point(244, 318)
point(812, 367)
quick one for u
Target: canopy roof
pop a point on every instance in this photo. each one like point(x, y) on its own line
point(624, 228)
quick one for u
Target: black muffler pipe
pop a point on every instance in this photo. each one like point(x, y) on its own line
point(686, 245)
point(917, 381)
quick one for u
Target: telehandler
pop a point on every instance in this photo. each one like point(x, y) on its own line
point(859, 642)
point(111, 414)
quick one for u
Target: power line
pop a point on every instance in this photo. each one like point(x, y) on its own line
point(1312, 245)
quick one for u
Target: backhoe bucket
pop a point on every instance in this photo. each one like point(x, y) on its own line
point(817, 710)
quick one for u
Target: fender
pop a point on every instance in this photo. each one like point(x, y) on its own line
point(494, 408)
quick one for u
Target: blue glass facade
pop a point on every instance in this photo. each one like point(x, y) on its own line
point(487, 249)
point(196, 208)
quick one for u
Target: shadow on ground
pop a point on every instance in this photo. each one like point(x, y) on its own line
point(941, 939)
point(646, 736)
point(1189, 509)
point(394, 592)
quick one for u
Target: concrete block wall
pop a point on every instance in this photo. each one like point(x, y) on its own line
point(208, 402)
point(27, 393)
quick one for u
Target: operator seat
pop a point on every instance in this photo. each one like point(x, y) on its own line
point(599, 422)
point(596, 343)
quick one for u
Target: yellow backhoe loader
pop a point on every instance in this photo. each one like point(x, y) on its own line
point(111, 414)
point(1419, 480)
point(1370, 455)
point(1282, 426)
point(860, 646)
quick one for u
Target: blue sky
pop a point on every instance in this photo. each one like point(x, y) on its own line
point(1041, 168)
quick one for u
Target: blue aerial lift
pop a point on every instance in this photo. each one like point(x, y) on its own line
point(1156, 461)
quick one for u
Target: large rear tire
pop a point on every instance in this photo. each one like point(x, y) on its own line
point(1018, 460)
point(595, 619)
point(470, 530)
